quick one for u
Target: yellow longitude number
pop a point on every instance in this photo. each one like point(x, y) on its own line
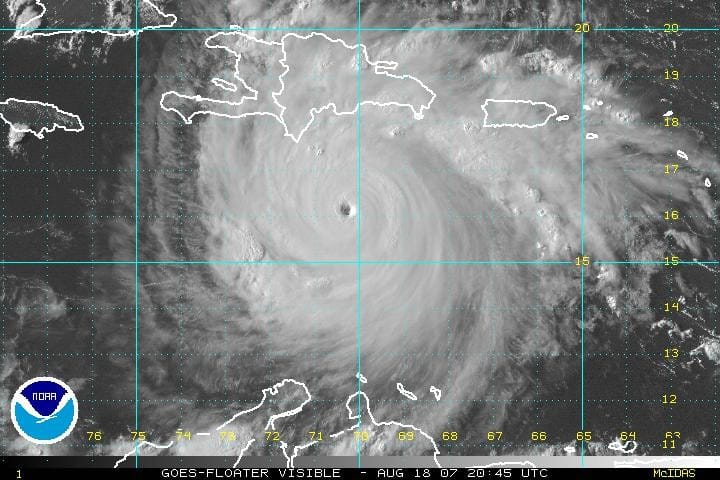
point(583, 436)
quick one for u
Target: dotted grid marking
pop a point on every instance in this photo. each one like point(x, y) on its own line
point(3, 239)
point(137, 228)
point(359, 29)
point(47, 219)
point(716, 378)
point(673, 412)
point(94, 224)
point(358, 220)
point(182, 291)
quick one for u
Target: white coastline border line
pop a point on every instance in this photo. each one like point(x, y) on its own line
point(381, 67)
point(43, 130)
point(19, 34)
point(137, 447)
point(273, 390)
point(516, 125)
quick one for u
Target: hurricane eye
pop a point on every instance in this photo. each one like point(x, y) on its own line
point(345, 209)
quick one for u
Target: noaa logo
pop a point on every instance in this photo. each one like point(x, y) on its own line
point(44, 410)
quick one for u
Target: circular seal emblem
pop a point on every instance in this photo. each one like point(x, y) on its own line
point(44, 410)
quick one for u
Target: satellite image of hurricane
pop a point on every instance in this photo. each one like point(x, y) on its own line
point(388, 232)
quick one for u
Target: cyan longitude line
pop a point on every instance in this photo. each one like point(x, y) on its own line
point(582, 237)
point(358, 318)
point(582, 144)
point(137, 228)
point(582, 364)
